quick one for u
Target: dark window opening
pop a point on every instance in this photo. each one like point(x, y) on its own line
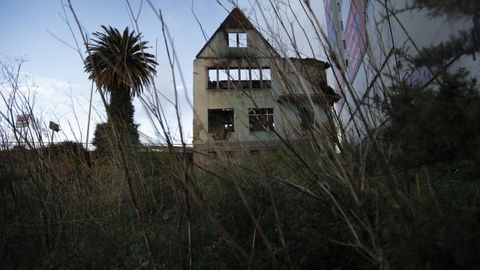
point(307, 119)
point(261, 119)
point(220, 123)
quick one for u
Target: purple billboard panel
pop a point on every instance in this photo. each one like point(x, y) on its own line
point(355, 37)
point(333, 42)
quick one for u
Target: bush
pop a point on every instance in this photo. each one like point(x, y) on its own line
point(427, 126)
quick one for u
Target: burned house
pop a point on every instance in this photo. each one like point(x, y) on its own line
point(247, 97)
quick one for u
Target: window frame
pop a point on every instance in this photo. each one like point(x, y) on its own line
point(223, 79)
point(261, 119)
point(217, 132)
point(237, 39)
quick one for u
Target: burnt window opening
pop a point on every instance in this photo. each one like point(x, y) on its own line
point(234, 76)
point(239, 78)
point(213, 78)
point(244, 79)
point(255, 77)
point(220, 123)
point(266, 77)
point(237, 39)
point(261, 119)
point(223, 75)
point(307, 118)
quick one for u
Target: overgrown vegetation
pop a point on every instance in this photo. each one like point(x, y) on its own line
point(408, 197)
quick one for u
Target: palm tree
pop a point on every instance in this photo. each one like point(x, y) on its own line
point(120, 66)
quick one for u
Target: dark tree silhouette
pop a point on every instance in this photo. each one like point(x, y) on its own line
point(119, 65)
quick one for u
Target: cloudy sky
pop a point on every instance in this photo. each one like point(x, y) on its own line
point(36, 31)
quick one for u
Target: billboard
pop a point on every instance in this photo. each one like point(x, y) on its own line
point(333, 41)
point(355, 37)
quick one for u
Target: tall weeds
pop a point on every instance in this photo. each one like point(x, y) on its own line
point(324, 203)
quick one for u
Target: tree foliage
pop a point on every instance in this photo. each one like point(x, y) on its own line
point(118, 64)
point(435, 125)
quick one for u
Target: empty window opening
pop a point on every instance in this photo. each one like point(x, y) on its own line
point(242, 40)
point(237, 39)
point(212, 78)
point(232, 39)
point(261, 119)
point(223, 78)
point(243, 77)
point(220, 123)
point(256, 78)
point(234, 77)
point(307, 118)
point(266, 77)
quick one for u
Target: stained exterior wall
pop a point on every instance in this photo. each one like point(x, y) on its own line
point(288, 76)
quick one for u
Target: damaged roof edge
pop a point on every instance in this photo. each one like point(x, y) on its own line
point(310, 60)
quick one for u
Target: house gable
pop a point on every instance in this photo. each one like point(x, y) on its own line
point(236, 25)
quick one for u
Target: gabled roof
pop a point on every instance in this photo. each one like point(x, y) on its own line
point(236, 20)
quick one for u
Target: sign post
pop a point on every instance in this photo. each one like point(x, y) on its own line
point(54, 127)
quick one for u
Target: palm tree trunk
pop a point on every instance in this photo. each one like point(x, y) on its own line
point(121, 113)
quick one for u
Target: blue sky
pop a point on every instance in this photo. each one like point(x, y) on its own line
point(28, 28)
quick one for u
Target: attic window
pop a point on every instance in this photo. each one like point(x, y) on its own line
point(237, 39)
